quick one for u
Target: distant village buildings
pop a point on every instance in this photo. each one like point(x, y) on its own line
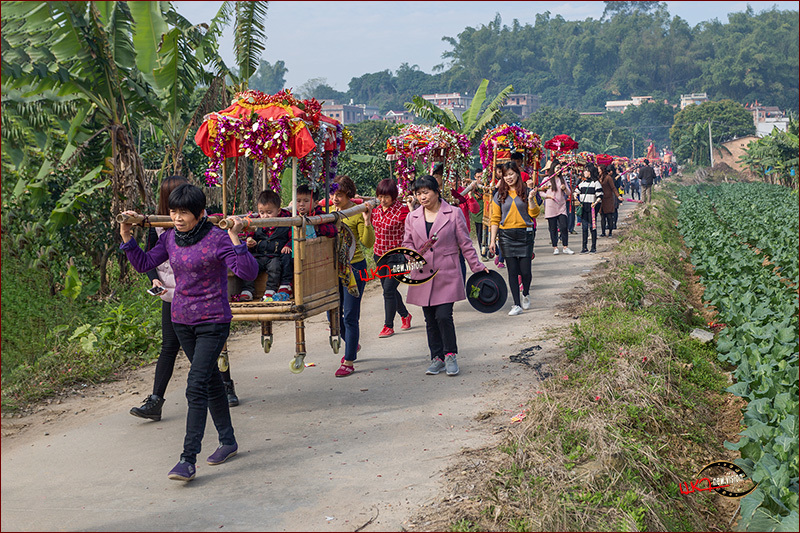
point(621, 105)
point(522, 104)
point(693, 99)
point(767, 118)
point(399, 117)
point(344, 113)
point(455, 102)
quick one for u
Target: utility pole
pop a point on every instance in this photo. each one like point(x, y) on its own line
point(710, 146)
point(633, 148)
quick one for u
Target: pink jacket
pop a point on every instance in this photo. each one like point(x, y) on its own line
point(451, 230)
point(555, 202)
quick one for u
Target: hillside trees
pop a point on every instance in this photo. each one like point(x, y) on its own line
point(269, 78)
point(635, 49)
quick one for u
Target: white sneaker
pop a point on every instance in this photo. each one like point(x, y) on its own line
point(568, 251)
point(526, 302)
point(515, 310)
point(555, 251)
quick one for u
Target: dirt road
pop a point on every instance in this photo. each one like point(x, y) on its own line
point(316, 453)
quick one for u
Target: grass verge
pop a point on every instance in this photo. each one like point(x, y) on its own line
point(634, 407)
point(52, 343)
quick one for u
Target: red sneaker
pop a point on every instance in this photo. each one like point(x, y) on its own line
point(386, 332)
point(344, 371)
point(406, 320)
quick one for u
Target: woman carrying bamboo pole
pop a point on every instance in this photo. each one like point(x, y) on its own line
point(163, 277)
point(200, 255)
point(343, 192)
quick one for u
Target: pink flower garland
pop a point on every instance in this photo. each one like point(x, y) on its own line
point(429, 143)
point(257, 137)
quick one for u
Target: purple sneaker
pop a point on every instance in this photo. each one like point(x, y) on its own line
point(183, 471)
point(222, 454)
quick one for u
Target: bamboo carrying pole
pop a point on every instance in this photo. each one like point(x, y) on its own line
point(299, 238)
point(163, 221)
point(299, 221)
point(224, 189)
point(156, 221)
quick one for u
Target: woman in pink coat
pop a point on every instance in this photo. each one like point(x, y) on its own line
point(443, 224)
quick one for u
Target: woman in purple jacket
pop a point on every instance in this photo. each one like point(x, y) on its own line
point(445, 224)
point(200, 255)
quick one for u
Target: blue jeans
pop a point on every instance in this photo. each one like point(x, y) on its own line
point(571, 221)
point(350, 312)
point(205, 391)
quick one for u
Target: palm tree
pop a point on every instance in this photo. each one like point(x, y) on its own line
point(473, 121)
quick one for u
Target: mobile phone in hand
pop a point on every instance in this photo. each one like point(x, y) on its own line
point(155, 291)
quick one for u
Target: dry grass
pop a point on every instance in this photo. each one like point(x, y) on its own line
point(632, 409)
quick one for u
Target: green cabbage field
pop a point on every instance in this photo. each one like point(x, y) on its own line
point(744, 246)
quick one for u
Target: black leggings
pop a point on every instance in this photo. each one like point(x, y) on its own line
point(519, 266)
point(169, 352)
point(556, 224)
point(607, 222)
point(441, 330)
point(392, 299)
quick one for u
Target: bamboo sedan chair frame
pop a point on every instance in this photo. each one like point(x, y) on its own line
point(316, 279)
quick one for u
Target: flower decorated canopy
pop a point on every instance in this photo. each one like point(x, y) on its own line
point(561, 143)
point(267, 127)
point(501, 140)
point(428, 144)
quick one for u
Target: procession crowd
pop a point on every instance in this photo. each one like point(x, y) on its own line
point(189, 265)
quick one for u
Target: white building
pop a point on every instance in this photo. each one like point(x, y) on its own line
point(693, 99)
point(453, 101)
point(621, 105)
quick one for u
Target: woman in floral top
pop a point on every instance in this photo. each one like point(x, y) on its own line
point(389, 222)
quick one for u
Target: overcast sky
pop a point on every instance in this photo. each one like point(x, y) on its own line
point(342, 40)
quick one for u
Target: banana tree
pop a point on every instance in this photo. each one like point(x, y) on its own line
point(171, 61)
point(83, 49)
point(605, 148)
point(473, 121)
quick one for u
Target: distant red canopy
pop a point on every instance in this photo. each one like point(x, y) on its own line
point(604, 159)
point(561, 143)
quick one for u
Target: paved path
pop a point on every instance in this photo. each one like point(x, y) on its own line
point(316, 453)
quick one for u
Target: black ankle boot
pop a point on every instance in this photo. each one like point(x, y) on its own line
point(150, 409)
point(233, 400)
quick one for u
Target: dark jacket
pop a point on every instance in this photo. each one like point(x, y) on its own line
point(610, 193)
point(270, 241)
point(647, 175)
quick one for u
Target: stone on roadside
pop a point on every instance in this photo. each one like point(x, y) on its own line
point(702, 335)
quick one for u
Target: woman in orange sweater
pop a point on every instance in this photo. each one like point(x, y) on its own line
point(514, 208)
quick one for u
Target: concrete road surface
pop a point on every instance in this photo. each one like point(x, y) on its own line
point(316, 453)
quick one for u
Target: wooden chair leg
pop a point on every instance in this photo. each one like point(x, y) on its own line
point(335, 338)
point(266, 336)
point(298, 363)
point(222, 361)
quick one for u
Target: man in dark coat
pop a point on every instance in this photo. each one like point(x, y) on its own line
point(647, 176)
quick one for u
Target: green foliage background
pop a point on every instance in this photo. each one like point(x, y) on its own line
point(634, 49)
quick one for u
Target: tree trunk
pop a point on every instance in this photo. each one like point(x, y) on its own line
point(104, 269)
